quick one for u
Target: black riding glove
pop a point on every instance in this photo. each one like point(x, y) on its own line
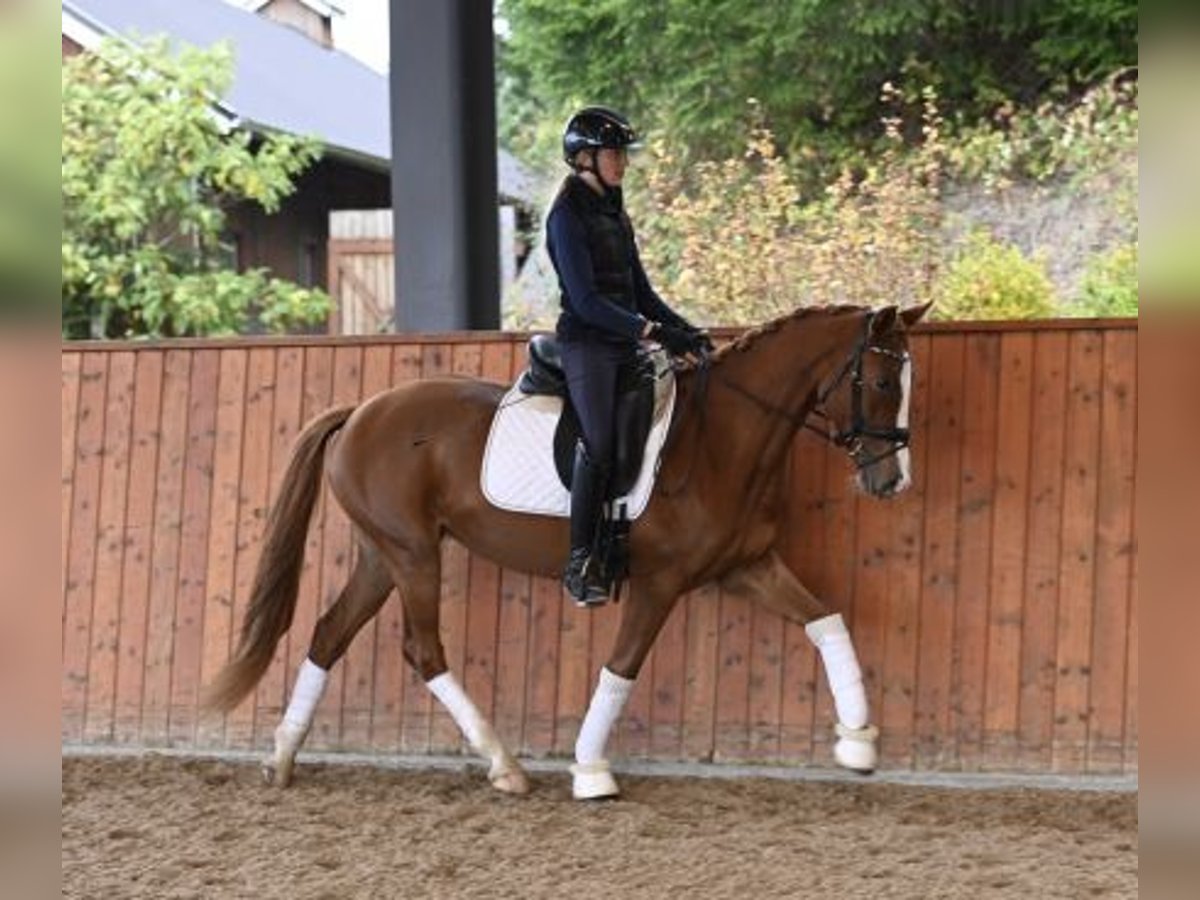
point(678, 341)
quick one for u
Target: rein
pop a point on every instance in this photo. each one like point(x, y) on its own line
point(850, 439)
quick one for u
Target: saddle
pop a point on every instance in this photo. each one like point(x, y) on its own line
point(634, 412)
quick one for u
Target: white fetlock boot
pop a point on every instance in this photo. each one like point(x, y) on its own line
point(593, 781)
point(856, 745)
point(291, 732)
point(277, 768)
point(504, 772)
point(591, 776)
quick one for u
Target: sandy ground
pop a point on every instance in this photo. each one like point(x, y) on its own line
point(168, 827)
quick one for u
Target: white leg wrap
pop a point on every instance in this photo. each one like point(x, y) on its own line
point(605, 709)
point(831, 638)
point(306, 693)
point(591, 777)
point(293, 729)
point(505, 773)
point(475, 728)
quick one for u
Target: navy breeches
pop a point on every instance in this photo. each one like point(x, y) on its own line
point(592, 369)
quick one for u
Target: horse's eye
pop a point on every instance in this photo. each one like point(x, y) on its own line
point(882, 384)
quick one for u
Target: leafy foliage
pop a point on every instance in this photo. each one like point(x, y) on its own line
point(149, 168)
point(687, 68)
point(990, 280)
point(731, 243)
point(1110, 286)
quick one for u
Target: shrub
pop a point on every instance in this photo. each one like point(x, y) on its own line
point(991, 280)
point(1110, 285)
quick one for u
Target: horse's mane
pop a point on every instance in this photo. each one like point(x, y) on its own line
point(748, 338)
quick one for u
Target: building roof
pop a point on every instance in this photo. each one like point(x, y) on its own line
point(283, 80)
point(320, 7)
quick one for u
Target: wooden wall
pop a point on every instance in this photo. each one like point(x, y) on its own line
point(994, 606)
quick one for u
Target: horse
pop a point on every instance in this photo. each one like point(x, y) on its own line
point(405, 467)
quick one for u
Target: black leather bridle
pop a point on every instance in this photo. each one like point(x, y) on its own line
point(851, 438)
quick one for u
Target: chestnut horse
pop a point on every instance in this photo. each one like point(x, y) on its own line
point(405, 466)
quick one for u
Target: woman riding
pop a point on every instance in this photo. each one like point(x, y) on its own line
point(608, 308)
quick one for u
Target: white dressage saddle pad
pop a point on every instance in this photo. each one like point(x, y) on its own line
point(518, 471)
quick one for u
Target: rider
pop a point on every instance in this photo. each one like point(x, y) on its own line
point(608, 306)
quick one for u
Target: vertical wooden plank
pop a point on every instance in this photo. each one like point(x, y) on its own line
point(193, 550)
point(574, 676)
point(634, 724)
point(837, 580)
point(71, 366)
point(803, 550)
point(1038, 668)
point(731, 728)
point(872, 595)
point(164, 569)
point(444, 735)
point(81, 562)
point(1077, 568)
point(491, 362)
point(410, 363)
point(343, 719)
point(667, 678)
point(502, 363)
point(380, 644)
point(1009, 533)
point(1114, 549)
point(1131, 666)
point(700, 685)
point(902, 628)
point(764, 711)
point(976, 490)
point(541, 690)
point(935, 739)
point(110, 539)
point(222, 533)
point(139, 535)
point(253, 506)
point(271, 695)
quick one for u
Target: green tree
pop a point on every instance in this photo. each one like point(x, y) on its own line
point(149, 168)
point(814, 66)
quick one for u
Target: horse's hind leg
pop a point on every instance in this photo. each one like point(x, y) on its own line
point(365, 592)
point(772, 583)
point(418, 575)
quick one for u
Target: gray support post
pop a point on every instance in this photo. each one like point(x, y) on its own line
point(444, 198)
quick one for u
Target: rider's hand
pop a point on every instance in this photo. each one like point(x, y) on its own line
point(678, 341)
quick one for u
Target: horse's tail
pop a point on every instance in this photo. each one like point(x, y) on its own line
point(277, 579)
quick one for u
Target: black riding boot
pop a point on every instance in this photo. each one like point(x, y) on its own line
point(582, 578)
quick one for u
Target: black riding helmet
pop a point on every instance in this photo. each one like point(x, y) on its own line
point(596, 127)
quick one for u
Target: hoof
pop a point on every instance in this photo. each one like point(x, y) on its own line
point(277, 768)
point(511, 781)
point(855, 749)
point(593, 781)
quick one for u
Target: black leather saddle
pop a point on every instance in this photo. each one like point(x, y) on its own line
point(635, 411)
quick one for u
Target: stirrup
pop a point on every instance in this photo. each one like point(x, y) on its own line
point(586, 592)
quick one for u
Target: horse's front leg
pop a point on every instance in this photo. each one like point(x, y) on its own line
point(772, 583)
point(642, 618)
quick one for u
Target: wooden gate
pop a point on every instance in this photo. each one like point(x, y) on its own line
point(361, 272)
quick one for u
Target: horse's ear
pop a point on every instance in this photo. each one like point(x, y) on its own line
point(884, 320)
point(915, 314)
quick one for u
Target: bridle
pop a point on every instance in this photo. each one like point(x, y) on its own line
point(850, 439)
